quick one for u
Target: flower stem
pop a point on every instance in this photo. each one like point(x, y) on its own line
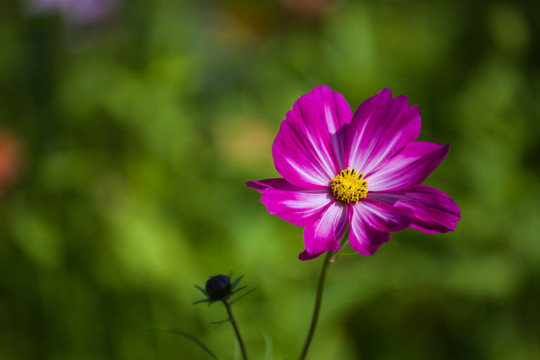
point(330, 257)
point(235, 327)
point(318, 301)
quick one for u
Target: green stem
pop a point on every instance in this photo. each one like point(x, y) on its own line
point(330, 257)
point(318, 301)
point(236, 331)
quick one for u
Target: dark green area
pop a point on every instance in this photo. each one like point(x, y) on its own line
point(137, 133)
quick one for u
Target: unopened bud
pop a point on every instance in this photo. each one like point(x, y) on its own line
point(218, 286)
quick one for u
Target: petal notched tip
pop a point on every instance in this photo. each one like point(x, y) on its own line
point(304, 256)
point(388, 96)
point(256, 185)
point(385, 92)
point(277, 183)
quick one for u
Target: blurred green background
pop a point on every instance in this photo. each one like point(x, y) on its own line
point(127, 134)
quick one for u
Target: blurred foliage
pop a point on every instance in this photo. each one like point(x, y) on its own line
point(131, 135)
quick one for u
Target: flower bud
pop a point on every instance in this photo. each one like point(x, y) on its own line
point(218, 286)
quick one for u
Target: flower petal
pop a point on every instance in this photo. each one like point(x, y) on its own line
point(363, 238)
point(276, 183)
point(371, 222)
point(408, 168)
point(304, 255)
point(325, 232)
point(380, 127)
point(308, 149)
point(434, 211)
point(291, 203)
point(382, 216)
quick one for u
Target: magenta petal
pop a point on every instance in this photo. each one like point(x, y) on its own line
point(434, 211)
point(408, 168)
point(371, 223)
point(363, 238)
point(276, 183)
point(304, 255)
point(308, 148)
point(291, 203)
point(382, 216)
point(325, 232)
point(381, 126)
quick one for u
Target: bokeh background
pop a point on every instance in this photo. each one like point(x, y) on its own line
point(128, 130)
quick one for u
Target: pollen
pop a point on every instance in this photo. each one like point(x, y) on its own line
point(349, 186)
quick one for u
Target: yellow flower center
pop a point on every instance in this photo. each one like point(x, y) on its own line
point(349, 186)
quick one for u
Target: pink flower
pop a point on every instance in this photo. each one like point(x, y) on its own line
point(76, 11)
point(363, 170)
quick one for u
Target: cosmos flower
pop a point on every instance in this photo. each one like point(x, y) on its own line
point(75, 11)
point(361, 170)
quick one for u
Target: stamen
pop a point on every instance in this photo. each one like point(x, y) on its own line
point(349, 186)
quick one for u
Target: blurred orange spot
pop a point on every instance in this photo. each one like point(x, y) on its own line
point(10, 160)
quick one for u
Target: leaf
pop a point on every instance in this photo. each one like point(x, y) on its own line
point(201, 301)
point(202, 290)
point(235, 282)
point(220, 322)
point(241, 296)
point(192, 338)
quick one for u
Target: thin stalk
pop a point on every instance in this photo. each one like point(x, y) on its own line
point(318, 301)
point(236, 331)
point(330, 257)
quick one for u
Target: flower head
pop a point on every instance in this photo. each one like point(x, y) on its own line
point(361, 170)
point(221, 288)
point(218, 286)
point(75, 11)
